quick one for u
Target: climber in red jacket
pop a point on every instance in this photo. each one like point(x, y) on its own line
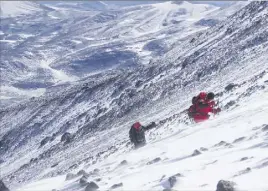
point(203, 104)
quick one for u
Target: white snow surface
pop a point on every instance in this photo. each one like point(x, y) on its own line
point(6, 90)
point(59, 76)
point(240, 129)
point(16, 8)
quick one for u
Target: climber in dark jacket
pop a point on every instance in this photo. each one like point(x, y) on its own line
point(137, 135)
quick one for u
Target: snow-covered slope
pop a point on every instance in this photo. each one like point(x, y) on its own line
point(18, 8)
point(65, 44)
point(229, 59)
point(81, 5)
point(228, 10)
point(232, 147)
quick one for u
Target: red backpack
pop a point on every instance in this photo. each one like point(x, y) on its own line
point(201, 96)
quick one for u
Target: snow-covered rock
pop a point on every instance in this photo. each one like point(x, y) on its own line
point(224, 185)
point(3, 187)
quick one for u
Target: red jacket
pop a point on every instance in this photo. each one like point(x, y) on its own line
point(199, 111)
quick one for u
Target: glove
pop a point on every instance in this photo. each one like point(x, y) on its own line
point(215, 111)
point(218, 110)
point(211, 104)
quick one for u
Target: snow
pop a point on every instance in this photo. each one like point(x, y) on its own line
point(99, 109)
point(263, 80)
point(9, 41)
point(227, 11)
point(164, 12)
point(6, 90)
point(68, 34)
point(77, 41)
point(16, 8)
point(194, 11)
point(46, 184)
point(201, 172)
point(26, 35)
point(59, 75)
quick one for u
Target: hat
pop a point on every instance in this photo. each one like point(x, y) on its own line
point(210, 96)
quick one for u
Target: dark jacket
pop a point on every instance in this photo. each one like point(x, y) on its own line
point(137, 136)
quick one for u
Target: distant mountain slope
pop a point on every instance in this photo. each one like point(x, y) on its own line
point(62, 45)
point(81, 5)
point(18, 8)
point(228, 10)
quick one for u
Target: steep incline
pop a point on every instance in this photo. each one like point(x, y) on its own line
point(232, 147)
point(101, 107)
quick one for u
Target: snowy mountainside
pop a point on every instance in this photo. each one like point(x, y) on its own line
point(232, 147)
point(231, 8)
point(81, 5)
point(229, 59)
point(216, 16)
point(62, 45)
point(19, 8)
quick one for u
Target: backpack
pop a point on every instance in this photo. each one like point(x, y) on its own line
point(191, 111)
point(137, 133)
point(194, 107)
point(201, 96)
